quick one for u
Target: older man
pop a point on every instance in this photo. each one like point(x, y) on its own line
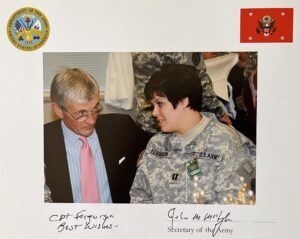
point(88, 159)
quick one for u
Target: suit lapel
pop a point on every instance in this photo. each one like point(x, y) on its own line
point(106, 144)
point(58, 167)
point(65, 174)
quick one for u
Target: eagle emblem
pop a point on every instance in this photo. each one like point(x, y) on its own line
point(266, 26)
point(28, 29)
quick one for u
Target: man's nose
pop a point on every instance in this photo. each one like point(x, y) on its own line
point(91, 119)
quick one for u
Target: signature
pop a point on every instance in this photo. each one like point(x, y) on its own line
point(176, 216)
point(218, 220)
point(82, 220)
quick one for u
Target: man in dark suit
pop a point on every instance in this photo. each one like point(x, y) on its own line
point(114, 141)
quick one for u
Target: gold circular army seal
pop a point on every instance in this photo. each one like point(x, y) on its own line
point(28, 29)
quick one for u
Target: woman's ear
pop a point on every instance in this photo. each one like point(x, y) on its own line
point(185, 102)
point(57, 110)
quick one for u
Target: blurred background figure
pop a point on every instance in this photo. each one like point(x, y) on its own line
point(243, 79)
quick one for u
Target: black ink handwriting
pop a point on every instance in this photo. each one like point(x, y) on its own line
point(174, 216)
point(220, 221)
point(82, 220)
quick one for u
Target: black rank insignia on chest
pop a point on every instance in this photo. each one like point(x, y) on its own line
point(174, 177)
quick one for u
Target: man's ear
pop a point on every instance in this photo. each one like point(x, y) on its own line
point(57, 110)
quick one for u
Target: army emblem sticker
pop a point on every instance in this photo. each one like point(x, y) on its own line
point(28, 29)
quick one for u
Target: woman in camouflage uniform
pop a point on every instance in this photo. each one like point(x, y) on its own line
point(194, 159)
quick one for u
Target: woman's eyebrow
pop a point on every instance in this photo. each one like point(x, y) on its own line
point(154, 100)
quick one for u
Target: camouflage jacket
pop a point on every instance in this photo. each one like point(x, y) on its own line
point(252, 64)
point(147, 63)
point(221, 153)
point(47, 194)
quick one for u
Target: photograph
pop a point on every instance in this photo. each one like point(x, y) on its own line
point(146, 119)
point(187, 137)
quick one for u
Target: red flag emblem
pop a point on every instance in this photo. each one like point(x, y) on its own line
point(266, 25)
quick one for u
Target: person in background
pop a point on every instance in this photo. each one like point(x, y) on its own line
point(194, 159)
point(210, 101)
point(47, 194)
point(88, 158)
point(241, 77)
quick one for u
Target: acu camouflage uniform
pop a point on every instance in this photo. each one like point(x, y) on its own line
point(147, 63)
point(252, 64)
point(223, 154)
point(210, 101)
point(47, 194)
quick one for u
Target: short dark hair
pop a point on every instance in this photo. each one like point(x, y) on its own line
point(176, 82)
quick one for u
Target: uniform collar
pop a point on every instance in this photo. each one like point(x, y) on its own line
point(173, 142)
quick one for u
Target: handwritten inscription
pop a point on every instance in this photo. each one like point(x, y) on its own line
point(213, 222)
point(83, 220)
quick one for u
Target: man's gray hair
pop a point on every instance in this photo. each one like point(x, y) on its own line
point(73, 84)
